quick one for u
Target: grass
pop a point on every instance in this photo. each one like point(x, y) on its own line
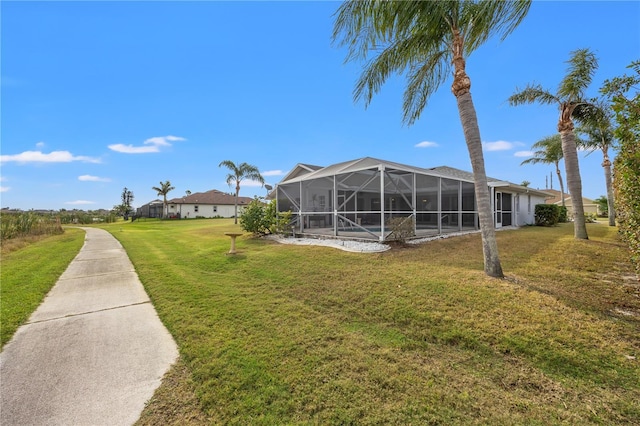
point(419, 335)
point(283, 334)
point(30, 268)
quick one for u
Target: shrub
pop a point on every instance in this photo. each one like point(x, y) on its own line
point(253, 218)
point(590, 218)
point(563, 215)
point(280, 222)
point(547, 214)
point(262, 219)
point(626, 168)
point(401, 228)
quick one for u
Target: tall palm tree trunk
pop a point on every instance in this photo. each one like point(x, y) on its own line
point(235, 216)
point(164, 206)
point(606, 164)
point(461, 89)
point(560, 182)
point(492, 266)
point(572, 166)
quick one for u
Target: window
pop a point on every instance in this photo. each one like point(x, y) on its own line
point(195, 209)
point(528, 203)
point(215, 209)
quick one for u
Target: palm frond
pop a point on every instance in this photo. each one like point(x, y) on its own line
point(391, 60)
point(596, 125)
point(547, 150)
point(532, 94)
point(423, 80)
point(486, 19)
point(582, 66)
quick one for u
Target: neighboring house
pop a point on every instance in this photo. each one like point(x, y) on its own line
point(212, 203)
point(151, 209)
point(590, 206)
point(356, 199)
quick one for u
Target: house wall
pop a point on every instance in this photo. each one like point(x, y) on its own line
point(525, 208)
point(203, 210)
point(588, 207)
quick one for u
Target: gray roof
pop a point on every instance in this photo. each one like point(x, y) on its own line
point(458, 174)
point(368, 163)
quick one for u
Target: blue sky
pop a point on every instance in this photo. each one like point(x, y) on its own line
point(98, 96)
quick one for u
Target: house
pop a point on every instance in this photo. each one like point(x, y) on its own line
point(208, 204)
point(590, 206)
point(151, 209)
point(356, 199)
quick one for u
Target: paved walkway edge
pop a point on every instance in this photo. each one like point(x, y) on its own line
point(94, 351)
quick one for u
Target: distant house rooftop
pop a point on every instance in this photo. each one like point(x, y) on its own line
point(214, 197)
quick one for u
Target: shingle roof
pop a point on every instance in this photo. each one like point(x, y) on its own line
point(213, 197)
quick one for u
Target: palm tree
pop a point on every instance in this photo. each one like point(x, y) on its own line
point(164, 189)
point(548, 151)
point(598, 129)
point(570, 98)
point(429, 41)
point(238, 173)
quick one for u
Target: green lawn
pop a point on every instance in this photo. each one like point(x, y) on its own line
point(28, 272)
point(282, 334)
point(285, 334)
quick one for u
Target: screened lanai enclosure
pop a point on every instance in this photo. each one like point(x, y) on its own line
point(366, 198)
point(358, 199)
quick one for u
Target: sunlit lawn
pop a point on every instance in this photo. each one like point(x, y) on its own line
point(282, 334)
point(30, 268)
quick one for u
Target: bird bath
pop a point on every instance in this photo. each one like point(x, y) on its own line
point(233, 236)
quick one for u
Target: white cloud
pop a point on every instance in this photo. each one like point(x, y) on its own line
point(273, 173)
point(150, 145)
point(4, 188)
point(40, 145)
point(52, 157)
point(250, 183)
point(523, 154)
point(426, 144)
point(79, 202)
point(89, 178)
point(130, 149)
point(498, 146)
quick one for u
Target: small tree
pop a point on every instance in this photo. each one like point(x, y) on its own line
point(164, 189)
point(238, 173)
point(572, 103)
point(262, 219)
point(603, 205)
point(124, 208)
point(598, 129)
point(548, 151)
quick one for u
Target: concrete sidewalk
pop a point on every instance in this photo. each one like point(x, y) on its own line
point(93, 352)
